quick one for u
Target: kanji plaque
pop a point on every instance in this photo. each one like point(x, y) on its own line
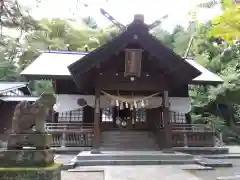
point(133, 58)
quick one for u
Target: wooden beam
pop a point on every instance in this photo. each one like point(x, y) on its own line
point(119, 82)
point(166, 121)
point(96, 128)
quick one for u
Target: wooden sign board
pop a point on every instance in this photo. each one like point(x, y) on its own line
point(133, 60)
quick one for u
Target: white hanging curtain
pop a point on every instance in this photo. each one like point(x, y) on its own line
point(67, 102)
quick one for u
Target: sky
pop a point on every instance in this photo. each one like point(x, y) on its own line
point(122, 10)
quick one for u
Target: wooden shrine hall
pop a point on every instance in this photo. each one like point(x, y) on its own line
point(132, 92)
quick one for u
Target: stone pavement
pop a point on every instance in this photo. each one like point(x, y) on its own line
point(154, 172)
point(221, 173)
point(82, 175)
point(234, 149)
point(64, 158)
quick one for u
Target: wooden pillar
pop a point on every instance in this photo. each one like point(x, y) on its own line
point(96, 128)
point(166, 121)
point(88, 115)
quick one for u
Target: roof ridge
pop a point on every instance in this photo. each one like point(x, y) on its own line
point(65, 52)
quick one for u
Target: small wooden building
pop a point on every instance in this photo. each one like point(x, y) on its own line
point(131, 93)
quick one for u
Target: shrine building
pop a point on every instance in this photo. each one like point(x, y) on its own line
point(130, 93)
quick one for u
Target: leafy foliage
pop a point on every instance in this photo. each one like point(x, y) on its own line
point(226, 25)
point(60, 34)
point(13, 19)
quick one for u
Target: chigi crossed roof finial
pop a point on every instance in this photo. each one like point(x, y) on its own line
point(137, 17)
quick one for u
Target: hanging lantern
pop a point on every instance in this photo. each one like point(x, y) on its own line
point(135, 104)
point(55, 107)
point(124, 123)
point(126, 104)
point(131, 107)
point(142, 103)
point(117, 103)
point(133, 58)
point(121, 106)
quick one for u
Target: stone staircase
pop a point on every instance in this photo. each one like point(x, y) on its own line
point(128, 140)
point(86, 158)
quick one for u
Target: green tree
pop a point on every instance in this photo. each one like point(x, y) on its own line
point(58, 34)
point(225, 25)
point(15, 20)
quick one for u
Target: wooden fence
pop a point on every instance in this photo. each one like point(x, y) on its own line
point(81, 135)
point(70, 134)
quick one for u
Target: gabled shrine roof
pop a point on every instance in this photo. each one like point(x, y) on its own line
point(54, 65)
point(207, 77)
point(136, 34)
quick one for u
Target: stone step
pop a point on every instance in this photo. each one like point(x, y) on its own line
point(121, 143)
point(85, 158)
point(203, 150)
point(127, 134)
point(222, 156)
point(128, 149)
point(213, 162)
point(125, 147)
point(109, 135)
point(129, 145)
point(135, 141)
point(131, 162)
point(128, 140)
point(133, 155)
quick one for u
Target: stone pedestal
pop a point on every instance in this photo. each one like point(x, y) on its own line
point(52, 172)
point(26, 158)
point(36, 141)
point(29, 157)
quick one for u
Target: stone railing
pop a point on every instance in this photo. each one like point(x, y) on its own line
point(70, 134)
